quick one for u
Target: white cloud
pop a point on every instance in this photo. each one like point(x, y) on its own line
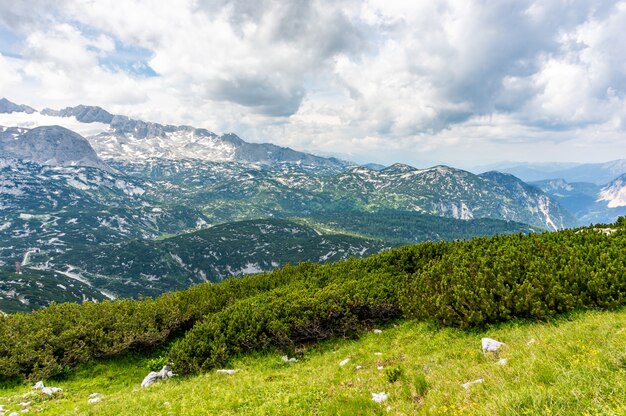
point(33, 120)
point(382, 80)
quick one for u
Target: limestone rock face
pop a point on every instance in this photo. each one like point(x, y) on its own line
point(51, 145)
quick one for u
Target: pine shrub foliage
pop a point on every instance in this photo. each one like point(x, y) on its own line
point(464, 284)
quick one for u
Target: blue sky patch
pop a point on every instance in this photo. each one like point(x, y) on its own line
point(10, 43)
point(130, 59)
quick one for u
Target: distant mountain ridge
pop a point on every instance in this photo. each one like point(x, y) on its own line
point(449, 192)
point(83, 113)
point(8, 107)
point(130, 139)
point(598, 173)
point(588, 202)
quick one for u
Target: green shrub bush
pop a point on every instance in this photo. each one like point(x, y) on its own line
point(394, 374)
point(463, 284)
point(538, 276)
point(286, 317)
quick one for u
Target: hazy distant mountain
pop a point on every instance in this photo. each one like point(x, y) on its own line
point(588, 202)
point(83, 113)
point(374, 166)
point(7, 106)
point(598, 173)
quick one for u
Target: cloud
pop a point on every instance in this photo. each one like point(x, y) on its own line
point(381, 80)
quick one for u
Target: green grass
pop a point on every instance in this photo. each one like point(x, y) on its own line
point(573, 365)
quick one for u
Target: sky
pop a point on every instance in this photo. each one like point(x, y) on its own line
point(464, 83)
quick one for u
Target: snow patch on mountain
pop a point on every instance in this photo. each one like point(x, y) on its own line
point(183, 143)
point(614, 193)
point(543, 204)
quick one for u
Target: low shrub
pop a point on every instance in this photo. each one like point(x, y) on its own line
point(394, 374)
point(283, 318)
point(492, 280)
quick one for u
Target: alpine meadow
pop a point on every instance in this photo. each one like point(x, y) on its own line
point(312, 208)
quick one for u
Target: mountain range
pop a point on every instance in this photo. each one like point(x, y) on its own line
point(132, 140)
point(596, 173)
point(140, 208)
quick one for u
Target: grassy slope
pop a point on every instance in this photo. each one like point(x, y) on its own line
point(576, 366)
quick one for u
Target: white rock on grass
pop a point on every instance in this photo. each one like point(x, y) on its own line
point(502, 361)
point(469, 383)
point(344, 362)
point(380, 397)
point(46, 390)
point(377, 331)
point(358, 367)
point(94, 399)
point(228, 372)
point(14, 414)
point(154, 376)
point(51, 390)
point(286, 359)
point(378, 353)
point(491, 345)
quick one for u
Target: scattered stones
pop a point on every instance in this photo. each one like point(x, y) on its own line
point(153, 376)
point(14, 414)
point(377, 331)
point(358, 367)
point(51, 390)
point(502, 361)
point(380, 397)
point(491, 345)
point(344, 362)
point(228, 372)
point(469, 383)
point(25, 404)
point(46, 390)
point(286, 359)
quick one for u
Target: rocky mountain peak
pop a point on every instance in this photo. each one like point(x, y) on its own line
point(398, 168)
point(51, 145)
point(7, 106)
point(83, 113)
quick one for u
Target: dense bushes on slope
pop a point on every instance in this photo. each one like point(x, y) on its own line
point(44, 342)
point(491, 280)
point(285, 317)
point(462, 283)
